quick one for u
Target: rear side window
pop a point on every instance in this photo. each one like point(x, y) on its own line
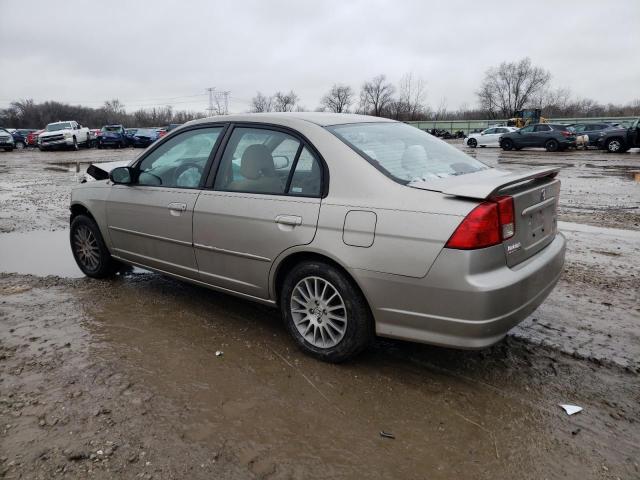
point(542, 128)
point(405, 153)
point(257, 160)
point(307, 177)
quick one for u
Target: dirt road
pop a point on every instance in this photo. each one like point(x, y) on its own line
point(120, 379)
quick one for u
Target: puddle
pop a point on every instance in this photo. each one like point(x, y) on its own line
point(39, 253)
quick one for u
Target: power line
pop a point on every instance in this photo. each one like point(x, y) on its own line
point(218, 101)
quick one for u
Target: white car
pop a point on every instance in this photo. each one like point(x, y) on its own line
point(489, 137)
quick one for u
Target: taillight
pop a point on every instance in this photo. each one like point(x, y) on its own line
point(507, 217)
point(488, 224)
point(565, 133)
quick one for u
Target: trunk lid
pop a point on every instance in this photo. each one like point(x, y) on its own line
point(535, 200)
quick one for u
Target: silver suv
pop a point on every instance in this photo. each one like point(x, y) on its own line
point(353, 226)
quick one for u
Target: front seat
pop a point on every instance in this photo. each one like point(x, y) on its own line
point(258, 170)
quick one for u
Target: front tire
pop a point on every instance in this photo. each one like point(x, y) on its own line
point(20, 146)
point(75, 144)
point(325, 312)
point(615, 145)
point(472, 142)
point(89, 250)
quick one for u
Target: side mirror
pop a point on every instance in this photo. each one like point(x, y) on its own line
point(280, 162)
point(121, 176)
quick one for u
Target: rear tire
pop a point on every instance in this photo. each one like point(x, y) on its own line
point(89, 250)
point(507, 144)
point(551, 145)
point(472, 142)
point(325, 312)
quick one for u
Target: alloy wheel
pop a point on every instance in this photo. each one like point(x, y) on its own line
point(86, 247)
point(318, 312)
point(614, 145)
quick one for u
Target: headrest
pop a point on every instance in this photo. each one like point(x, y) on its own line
point(257, 162)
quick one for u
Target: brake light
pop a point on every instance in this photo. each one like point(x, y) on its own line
point(565, 133)
point(488, 224)
point(506, 216)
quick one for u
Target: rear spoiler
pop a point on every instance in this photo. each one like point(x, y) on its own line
point(482, 184)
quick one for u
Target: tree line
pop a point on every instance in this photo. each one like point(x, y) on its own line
point(28, 114)
point(505, 89)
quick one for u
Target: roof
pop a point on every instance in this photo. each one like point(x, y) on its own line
point(319, 118)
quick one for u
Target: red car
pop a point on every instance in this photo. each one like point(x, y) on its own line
point(32, 138)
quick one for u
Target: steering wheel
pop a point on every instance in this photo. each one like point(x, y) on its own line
point(183, 168)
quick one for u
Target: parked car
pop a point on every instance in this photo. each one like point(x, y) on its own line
point(64, 134)
point(489, 137)
point(353, 226)
point(592, 130)
point(161, 132)
point(112, 136)
point(6, 140)
point(550, 136)
point(32, 138)
point(20, 136)
point(621, 139)
point(143, 137)
point(129, 133)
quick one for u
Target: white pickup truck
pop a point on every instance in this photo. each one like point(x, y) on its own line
point(64, 134)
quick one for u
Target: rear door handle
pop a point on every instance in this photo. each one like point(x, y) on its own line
point(176, 208)
point(292, 220)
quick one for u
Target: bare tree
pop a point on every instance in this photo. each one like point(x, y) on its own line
point(441, 112)
point(376, 95)
point(411, 97)
point(511, 86)
point(284, 102)
point(338, 99)
point(260, 103)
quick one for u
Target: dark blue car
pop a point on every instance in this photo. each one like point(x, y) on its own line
point(144, 137)
point(112, 136)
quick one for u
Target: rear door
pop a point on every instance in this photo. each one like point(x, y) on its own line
point(150, 221)
point(265, 199)
point(541, 133)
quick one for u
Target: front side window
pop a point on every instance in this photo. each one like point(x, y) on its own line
point(527, 129)
point(542, 128)
point(489, 131)
point(180, 161)
point(257, 160)
point(405, 153)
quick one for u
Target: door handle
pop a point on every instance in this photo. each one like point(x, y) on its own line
point(292, 220)
point(176, 208)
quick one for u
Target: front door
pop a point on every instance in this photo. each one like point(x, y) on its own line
point(265, 199)
point(150, 221)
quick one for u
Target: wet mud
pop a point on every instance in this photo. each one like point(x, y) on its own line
point(120, 378)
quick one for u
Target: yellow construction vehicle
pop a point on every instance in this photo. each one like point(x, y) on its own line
point(525, 117)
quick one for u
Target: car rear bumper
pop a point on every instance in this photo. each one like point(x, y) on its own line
point(469, 299)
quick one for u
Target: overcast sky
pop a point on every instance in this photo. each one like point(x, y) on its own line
point(158, 52)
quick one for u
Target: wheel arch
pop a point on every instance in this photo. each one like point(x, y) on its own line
point(288, 260)
point(78, 208)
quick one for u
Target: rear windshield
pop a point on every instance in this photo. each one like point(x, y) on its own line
point(405, 153)
point(146, 132)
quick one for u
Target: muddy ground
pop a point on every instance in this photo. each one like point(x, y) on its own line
point(120, 378)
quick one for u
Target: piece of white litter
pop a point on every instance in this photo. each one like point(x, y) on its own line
point(571, 409)
point(219, 353)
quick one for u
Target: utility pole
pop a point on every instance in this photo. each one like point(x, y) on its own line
point(218, 102)
point(212, 91)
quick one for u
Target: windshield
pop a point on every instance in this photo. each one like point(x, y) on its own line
point(54, 127)
point(115, 128)
point(405, 153)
